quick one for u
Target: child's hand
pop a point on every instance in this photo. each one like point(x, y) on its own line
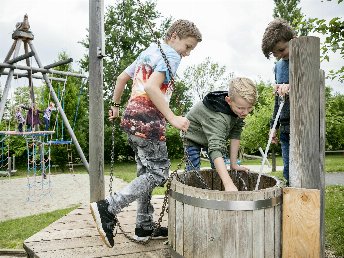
point(113, 113)
point(274, 136)
point(180, 122)
point(239, 168)
point(282, 89)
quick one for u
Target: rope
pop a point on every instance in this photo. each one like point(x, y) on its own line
point(55, 127)
point(77, 105)
point(265, 154)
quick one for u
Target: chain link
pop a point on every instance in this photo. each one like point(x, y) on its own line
point(112, 156)
point(174, 173)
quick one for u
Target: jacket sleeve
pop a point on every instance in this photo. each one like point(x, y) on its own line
point(235, 131)
point(215, 129)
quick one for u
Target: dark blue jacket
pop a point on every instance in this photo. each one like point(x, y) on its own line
point(282, 76)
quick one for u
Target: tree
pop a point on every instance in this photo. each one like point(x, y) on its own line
point(334, 121)
point(205, 77)
point(333, 30)
point(73, 98)
point(257, 124)
point(289, 11)
point(127, 33)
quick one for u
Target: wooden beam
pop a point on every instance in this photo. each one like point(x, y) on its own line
point(301, 223)
point(307, 133)
point(304, 157)
point(96, 124)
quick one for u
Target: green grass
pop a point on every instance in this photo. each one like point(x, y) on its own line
point(14, 232)
point(10, 237)
point(334, 163)
point(334, 219)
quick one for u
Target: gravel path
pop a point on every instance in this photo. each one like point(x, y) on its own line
point(18, 200)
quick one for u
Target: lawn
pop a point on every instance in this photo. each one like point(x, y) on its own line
point(12, 238)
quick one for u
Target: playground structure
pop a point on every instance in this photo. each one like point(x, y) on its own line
point(302, 228)
point(22, 34)
point(7, 163)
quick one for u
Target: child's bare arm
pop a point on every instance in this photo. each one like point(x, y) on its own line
point(121, 81)
point(152, 88)
point(234, 149)
point(223, 173)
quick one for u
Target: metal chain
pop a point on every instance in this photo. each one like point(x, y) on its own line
point(174, 173)
point(163, 209)
point(156, 39)
point(112, 156)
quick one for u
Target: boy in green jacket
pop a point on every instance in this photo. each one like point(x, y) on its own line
point(219, 117)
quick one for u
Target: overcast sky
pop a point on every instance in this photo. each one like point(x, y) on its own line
point(232, 30)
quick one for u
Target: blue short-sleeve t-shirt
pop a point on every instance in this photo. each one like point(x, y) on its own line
point(141, 117)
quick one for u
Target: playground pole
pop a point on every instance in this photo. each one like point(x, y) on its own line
point(307, 119)
point(96, 125)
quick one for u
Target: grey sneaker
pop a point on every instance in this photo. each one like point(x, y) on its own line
point(105, 221)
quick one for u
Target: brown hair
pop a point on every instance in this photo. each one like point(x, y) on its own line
point(243, 87)
point(184, 29)
point(277, 30)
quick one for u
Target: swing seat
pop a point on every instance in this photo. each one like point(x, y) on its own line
point(59, 142)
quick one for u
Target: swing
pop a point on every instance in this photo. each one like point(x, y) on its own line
point(62, 140)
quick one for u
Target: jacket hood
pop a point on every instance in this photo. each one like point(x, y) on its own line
point(216, 102)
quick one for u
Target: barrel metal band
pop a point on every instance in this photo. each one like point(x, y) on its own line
point(226, 205)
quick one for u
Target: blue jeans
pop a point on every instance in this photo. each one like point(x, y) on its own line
point(46, 123)
point(152, 170)
point(285, 138)
point(194, 158)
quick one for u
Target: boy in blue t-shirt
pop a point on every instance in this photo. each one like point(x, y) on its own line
point(144, 120)
point(276, 42)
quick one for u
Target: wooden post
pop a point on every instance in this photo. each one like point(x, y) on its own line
point(9, 78)
point(322, 161)
point(96, 126)
point(306, 149)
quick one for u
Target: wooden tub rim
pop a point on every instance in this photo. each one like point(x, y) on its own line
point(225, 205)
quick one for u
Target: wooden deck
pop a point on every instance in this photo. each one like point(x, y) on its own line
point(75, 235)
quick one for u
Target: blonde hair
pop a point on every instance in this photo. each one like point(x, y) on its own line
point(184, 29)
point(243, 87)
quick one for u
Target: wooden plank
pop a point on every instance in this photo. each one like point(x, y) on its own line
point(81, 239)
point(230, 235)
point(179, 234)
point(258, 227)
point(269, 227)
point(188, 224)
point(200, 234)
point(278, 225)
point(215, 226)
point(172, 218)
point(244, 221)
point(301, 222)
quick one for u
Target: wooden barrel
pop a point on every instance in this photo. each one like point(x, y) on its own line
point(205, 221)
